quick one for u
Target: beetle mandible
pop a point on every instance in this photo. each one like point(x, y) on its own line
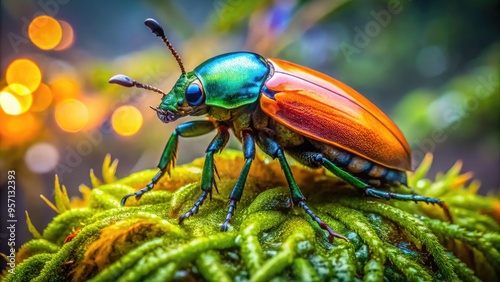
point(326, 124)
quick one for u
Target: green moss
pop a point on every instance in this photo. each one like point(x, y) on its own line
point(388, 240)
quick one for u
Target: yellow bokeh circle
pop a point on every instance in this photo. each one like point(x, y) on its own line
point(15, 99)
point(9, 104)
point(45, 32)
point(126, 120)
point(71, 115)
point(24, 72)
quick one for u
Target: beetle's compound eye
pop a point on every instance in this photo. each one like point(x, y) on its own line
point(194, 94)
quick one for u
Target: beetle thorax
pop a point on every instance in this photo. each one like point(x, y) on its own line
point(220, 114)
point(227, 115)
point(232, 80)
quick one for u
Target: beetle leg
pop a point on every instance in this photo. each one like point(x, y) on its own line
point(402, 197)
point(367, 189)
point(273, 149)
point(209, 170)
point(370, 191)
point(167, 161)
point(249, 153)
point(408, 197)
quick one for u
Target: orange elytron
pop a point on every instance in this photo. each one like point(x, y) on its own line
point(337, 115)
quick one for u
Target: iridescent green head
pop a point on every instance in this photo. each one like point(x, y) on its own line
point(186, 98)
point(227, 81)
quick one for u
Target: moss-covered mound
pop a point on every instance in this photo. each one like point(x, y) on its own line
point(388, 240)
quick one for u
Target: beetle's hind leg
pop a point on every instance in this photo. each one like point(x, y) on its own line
point(372, 192)
point(274, 150)
point(209, 170)
point(167, 161)
point(369, 191)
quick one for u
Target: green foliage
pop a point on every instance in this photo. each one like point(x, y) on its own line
point(457, 107)
point(268, 240)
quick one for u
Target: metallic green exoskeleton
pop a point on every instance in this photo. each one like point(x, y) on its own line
point(230, 89)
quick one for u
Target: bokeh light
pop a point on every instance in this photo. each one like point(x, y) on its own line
point(19, 129)
point(25, 72)
point(42, 98)
point(15, 99)
point(41, 157)
point(45, 32)
point(98, 111)
point(19, 89)
point(68, 36)
point(431, 61)
point(64, 88)
point(71, 115)
point(126, 120)
point(10, 105)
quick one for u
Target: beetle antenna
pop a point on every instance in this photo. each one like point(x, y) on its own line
point(126, 81)
point(158, 31)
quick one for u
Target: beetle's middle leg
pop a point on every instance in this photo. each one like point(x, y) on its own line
point(273, 149)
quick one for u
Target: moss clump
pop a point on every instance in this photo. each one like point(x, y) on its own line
point(389, 240)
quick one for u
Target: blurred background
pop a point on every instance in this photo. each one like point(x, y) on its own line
point(432, 66)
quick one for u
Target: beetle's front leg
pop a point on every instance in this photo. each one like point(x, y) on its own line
point(167, 161)
point(249, 154)
point(273, 149)
point(209, 170)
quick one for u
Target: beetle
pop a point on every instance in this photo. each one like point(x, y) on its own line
point(281, 107)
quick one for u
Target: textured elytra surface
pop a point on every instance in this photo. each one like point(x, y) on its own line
point(268, 240)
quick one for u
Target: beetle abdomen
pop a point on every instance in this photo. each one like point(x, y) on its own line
point(360, 167)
